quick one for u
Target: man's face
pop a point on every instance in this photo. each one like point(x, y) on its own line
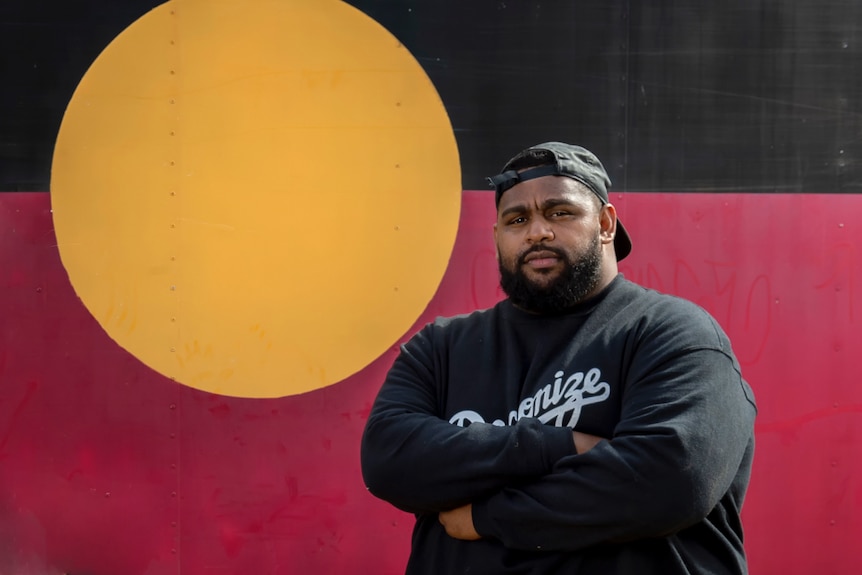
point(548, 243)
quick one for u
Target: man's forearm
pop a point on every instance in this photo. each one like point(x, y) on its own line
point(418, 461)
point(459, 521)
point(421, 464)
point(675, 454)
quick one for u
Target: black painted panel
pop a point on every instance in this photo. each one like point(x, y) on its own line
point(739, 95)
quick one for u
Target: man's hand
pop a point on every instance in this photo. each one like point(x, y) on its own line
point(459, 523)
point(584, 441)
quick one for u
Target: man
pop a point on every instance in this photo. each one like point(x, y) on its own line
point(584, 425)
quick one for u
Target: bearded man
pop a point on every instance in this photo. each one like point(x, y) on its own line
point(584, 425)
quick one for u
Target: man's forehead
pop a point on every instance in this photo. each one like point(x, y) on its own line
point(546, 189)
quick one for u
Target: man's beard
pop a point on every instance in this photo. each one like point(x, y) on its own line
point(575, 282)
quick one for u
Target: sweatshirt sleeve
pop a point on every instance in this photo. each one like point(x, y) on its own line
point(685, 432)
point(421, 463)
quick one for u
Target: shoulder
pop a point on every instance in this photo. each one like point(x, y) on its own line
point(446, 329)
point(464, 325)
point(467, 320)
point(671, 319)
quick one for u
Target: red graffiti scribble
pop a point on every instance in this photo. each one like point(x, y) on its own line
point(748, 322)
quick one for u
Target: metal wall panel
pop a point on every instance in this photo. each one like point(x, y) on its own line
point(730, 131)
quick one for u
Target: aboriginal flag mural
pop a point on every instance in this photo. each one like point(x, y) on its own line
point(219, 219)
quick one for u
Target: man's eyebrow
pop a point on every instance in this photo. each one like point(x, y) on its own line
point(547, 205)
point(516, 209)
point(554, 202)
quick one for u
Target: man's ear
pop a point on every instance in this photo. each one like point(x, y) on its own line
point(608, 223)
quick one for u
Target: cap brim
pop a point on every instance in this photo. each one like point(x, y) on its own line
point(622, 242)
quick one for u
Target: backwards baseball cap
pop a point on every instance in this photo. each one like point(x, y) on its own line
point(559, 159)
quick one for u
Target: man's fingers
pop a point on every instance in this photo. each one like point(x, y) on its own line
point(584, 441)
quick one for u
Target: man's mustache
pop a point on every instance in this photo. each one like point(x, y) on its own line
point(542, 248)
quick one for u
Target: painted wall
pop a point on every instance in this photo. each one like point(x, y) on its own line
point(729, 131)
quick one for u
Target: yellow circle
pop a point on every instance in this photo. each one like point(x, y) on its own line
point(255, 198)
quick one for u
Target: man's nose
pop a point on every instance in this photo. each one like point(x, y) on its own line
point(540, 230)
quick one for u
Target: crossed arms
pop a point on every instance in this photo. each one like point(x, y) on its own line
point(684, 430)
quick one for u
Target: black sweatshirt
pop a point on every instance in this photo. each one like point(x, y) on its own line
point(479, 409)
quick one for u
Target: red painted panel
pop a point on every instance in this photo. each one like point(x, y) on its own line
point(107, 467)
point(782, 274)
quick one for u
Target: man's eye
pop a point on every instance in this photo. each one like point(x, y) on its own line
point(518, 220)
point(559, 213)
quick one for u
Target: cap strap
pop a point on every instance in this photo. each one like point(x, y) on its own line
point(510, 178)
